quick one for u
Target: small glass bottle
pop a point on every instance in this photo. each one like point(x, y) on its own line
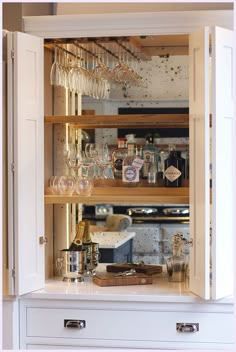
point(177, 264)
point(152, 170)
point(148, 149)
point(173, 169)
point(130, 173)
point(118, 156)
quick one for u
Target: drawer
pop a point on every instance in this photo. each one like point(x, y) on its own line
point(129, 325)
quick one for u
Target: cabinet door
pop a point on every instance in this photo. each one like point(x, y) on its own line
point(223, 149)
point(25, 161)
point(222, 163)
point(199, 165)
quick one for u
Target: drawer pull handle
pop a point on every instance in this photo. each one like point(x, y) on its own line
point(74, 324)
point(187, 327)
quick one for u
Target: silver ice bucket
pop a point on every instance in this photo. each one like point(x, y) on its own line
point(72, 265)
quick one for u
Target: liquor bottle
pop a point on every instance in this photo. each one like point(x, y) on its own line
point(138, 153)
point(118, 156)
point(130, 171)
point(148, 149)
point(178, 154)
point(152, 170)
point(173, 169)
point(77, 242)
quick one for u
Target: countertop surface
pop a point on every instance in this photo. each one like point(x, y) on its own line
point(111, 239)
point(161, 291)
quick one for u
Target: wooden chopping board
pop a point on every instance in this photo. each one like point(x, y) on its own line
point(144, 269)
point(110, 279)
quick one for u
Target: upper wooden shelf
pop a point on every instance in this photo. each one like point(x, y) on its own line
point(123, 121)
point(126, 195)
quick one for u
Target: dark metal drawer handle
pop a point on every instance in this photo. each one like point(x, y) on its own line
point(187, 327)
point(74, 324)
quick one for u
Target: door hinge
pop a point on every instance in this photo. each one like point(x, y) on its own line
point(12, 167)
point(12, 54)
point(13, 273)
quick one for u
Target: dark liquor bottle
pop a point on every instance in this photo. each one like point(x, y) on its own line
point(118, 156)
point(178, 153)
point(173, 169)
point(148, 150)
point(77, 242)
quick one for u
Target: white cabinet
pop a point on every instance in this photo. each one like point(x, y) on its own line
point(155, 324)
point(55, 323)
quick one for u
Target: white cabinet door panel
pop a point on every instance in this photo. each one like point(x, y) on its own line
point(26, 182)
point(199, 165)
point(223, 191)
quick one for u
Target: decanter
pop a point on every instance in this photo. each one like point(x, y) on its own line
point(177, 264)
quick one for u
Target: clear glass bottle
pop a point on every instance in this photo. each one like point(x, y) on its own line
point(147, 151)
point(130, 173)
point(118, 156)
point(177, 264)
point(173, 169)
point(152, 170)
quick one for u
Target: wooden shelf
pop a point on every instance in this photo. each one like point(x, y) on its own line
point(126, 195)
point(123, 121)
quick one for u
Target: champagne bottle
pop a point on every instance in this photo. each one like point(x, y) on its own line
point(173, 169)
point(87, 235)
point(77, 242)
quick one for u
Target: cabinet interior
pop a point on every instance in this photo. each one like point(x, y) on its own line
point(63, 109)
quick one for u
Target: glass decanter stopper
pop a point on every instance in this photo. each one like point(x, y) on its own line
point(177, 264)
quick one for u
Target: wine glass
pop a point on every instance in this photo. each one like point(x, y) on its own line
point(74, 157)
point(55, 74)
point(103, 159)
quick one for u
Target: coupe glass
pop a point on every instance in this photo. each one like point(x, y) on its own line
point(84, 186)
point(66, 185)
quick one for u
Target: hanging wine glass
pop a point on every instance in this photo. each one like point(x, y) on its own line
point(55, 74)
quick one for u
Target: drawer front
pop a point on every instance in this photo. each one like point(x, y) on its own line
point(128, 325)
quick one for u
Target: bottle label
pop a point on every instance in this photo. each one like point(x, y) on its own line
point(130, 174)
point(138, 163)
point(172, 173)
point(147, 156)
point(118, 164)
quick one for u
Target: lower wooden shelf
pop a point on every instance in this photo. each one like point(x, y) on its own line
point(126, 195)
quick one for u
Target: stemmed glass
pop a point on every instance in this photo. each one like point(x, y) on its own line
point(103, 159)
point(73, 156)
point(91, 152)
point(55, 73)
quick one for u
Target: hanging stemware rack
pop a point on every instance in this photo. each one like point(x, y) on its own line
point(90, 65)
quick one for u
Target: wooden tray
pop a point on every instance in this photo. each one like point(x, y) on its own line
point(144, 269)
point(111, 280)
